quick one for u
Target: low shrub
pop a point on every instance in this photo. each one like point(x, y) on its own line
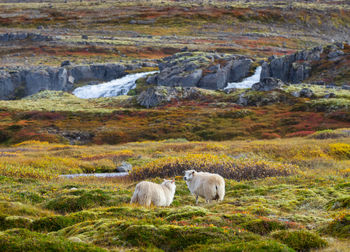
point(225, 166)
point(26, 171)
point(330, 134)
point(339, 227)
point(339, 150)
point(299, 240)
point(302, 133)
point(267, 135)
point(343, 202)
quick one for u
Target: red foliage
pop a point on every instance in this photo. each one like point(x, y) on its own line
point(300, 133)
point(39, 115)
point(267, 135)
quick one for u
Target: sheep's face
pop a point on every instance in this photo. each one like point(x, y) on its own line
point(170, 184)
point(189, 175)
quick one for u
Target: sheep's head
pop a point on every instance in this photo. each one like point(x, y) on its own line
point(169, 183)
point(189, 175)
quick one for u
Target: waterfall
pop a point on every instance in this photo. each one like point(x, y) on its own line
point(247, 82)
point(115, 87)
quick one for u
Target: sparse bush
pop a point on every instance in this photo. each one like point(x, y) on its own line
point(225, 166)
point(300, 240)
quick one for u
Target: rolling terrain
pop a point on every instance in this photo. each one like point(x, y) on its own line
point(282, 142)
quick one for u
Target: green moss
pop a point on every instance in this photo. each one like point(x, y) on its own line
point(55, 223)
point(8, 222)
point(263, 226)
point(250, 246)
point(300, 240)
point(343, 202)
point(141, 85)
point(78, 201)
point(25, 240)
point(184, 213)
point(170, 237)
point(31, 197)
point(20, 209)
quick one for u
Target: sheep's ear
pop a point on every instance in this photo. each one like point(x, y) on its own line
point(173, 181)
point(164, 179)
point(193, 172)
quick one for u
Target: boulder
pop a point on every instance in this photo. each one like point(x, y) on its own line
point(334, 54)
point(268, 84)
point(306, 92)
point(124, 167)
point(330, 95)
point(65, 63)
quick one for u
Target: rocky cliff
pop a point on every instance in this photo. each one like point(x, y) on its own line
point(18, 83)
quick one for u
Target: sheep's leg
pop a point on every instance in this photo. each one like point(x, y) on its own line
point(196, 199)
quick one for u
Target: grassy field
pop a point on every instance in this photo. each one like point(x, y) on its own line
point(283, 195)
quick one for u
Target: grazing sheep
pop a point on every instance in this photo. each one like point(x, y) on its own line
point(207, 185)
point(159, 195)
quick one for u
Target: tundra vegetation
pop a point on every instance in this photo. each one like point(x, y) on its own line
point(285, 158)
point(287, 194)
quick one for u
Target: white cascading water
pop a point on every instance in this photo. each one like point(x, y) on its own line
point(112, 88)
point(247, 82)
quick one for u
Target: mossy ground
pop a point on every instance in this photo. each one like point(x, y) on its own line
point(266, 214)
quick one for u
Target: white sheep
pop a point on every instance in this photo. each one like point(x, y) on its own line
point(207, 185)
point(159, 195)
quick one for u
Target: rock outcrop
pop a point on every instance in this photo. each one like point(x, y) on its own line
point(297, 67)
point(204, 70)
point(253, 98)
point(23, 82)
point(36, 37)
point(268, 84)
point(155, 96)
point(291, 68)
